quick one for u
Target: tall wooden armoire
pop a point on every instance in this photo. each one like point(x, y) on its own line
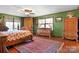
point(71, 28)
point(28, 22)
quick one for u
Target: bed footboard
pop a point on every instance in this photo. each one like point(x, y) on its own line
point(14, 42)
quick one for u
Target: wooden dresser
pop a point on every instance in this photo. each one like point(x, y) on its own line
point(71, 28)
point(44, 32)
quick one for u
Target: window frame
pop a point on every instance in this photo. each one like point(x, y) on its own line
point(13, 20)
point(46, 23)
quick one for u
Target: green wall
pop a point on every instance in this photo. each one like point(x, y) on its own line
point(58, 26)
point(35, 25)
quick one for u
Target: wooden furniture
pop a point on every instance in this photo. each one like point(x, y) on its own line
point(3, 48)
point(28, 22)
point(70, 28)
point(22, 40)
point(16, 37)
point(44, 32)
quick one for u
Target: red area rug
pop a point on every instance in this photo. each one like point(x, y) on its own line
point(40, 45)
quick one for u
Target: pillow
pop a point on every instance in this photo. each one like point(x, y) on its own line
point(4, 28)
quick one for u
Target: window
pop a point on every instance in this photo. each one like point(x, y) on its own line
point(41, 23)
point(12, 24)
point(9, 25)
point(45, 23)
point(16, 25)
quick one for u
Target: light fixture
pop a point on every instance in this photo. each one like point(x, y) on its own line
point(27, 12)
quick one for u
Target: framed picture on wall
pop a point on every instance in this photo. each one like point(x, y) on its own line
point(58, 19)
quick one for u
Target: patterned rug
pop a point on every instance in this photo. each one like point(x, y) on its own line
point(40, 45)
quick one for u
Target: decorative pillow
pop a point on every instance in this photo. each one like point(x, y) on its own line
point(3, 28)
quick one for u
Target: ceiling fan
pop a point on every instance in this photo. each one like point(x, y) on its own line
point(27, 12)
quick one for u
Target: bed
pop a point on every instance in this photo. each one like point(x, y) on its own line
point(17, 36)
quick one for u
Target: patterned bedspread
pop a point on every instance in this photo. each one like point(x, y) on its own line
point(16, 34)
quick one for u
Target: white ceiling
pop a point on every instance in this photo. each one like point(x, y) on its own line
point(39, 10)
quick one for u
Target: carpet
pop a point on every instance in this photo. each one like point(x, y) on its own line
point(40, 45)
